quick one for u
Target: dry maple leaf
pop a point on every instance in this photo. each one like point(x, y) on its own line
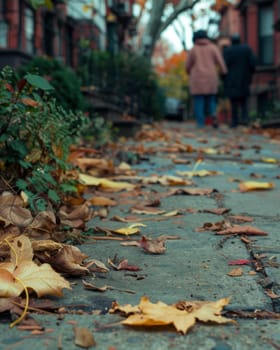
point(22, 273)
point(182, 315)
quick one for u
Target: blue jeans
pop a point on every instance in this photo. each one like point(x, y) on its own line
point(204, 105)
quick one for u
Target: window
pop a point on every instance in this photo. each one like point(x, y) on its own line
point(69, 46)
point(3, 25)
point(266, 34)
point(49, 34)
point(29, 28)
point(3, 33)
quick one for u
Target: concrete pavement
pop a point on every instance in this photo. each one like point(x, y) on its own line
point(194, 267)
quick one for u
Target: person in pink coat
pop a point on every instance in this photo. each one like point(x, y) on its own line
point(204, 65)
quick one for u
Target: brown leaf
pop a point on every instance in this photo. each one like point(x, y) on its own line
point(123, 265)
point(29, 102)
point(214, 226)
point(102, 201)
point(242, 230)
point(154, 246)
point(191, 191)
point(236, 272)
point(91, 286)
point(217, 211)
point(68, 259)
point(146, 210)
point(84, 337)
point(15, 215)
point(75, 216)
point(240, 218)
point(271, 294)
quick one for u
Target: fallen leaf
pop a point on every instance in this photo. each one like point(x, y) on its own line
point(217, 211)
point(239, 262)
point(102, 201)
point(166, 180)
point(23, 273)
point(154, 246)
point(199, 173)
point(271, 294)
point(91, 286)
point(242, 230)
point(147, 210)
point(269, 160)
point(240, 218)
point(214, 226)
point(84, 337)
point(123, 265)
point(182, 315)
point(130, 230)
point(235, 272)
point(191, 191)
point(104, 183)
point(67, 259)
point(255, 186)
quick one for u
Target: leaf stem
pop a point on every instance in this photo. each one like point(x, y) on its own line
point(26, 304)
point(13, 250)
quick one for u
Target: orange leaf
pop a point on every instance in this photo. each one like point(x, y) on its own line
point(29, 102)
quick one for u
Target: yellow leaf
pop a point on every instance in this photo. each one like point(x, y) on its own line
point(210, 151)
point(104, 183)
point(182, 315)
point(130, 230)
point(269, 160)
point(255, 185)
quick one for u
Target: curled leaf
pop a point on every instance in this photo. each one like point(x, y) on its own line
point(255, 186)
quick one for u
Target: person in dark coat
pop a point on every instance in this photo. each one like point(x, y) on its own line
point(241, 64)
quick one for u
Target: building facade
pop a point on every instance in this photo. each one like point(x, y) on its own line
point(257, 21)
point(57, 32)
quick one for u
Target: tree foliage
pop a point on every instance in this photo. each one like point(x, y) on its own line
point(172, 76)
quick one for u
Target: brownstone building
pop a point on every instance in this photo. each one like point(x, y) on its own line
point(56, 32)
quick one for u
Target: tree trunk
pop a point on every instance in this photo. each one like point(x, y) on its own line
point(156, 25)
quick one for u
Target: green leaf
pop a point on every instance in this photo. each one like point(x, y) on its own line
point(68, 188)
point(22, 184)
point(38, 82)
point(19, 147)
point(53, 196)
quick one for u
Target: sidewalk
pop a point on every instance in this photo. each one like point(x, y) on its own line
point(195, 266)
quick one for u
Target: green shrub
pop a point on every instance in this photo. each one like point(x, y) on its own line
point(35, 137)
point(126, 75)
point(63, 79)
